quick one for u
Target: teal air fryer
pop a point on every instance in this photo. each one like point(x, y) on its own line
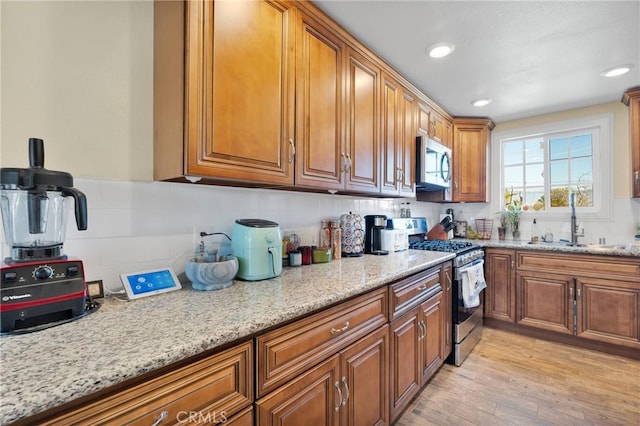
point(257, 244)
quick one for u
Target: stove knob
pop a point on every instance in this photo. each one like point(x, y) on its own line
point(43, 272)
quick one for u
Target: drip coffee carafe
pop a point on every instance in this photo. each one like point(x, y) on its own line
point(39, 284)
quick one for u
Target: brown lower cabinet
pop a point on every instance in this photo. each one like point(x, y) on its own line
point(416, 351)
point(590, 299)
point(344, 365)
point(217, 389)
point(349, 388)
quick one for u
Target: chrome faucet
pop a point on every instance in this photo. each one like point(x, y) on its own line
point(574, 222)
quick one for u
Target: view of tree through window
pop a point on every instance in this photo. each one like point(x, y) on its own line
point(545, 170)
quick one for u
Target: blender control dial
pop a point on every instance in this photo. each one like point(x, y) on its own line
point(43, 272)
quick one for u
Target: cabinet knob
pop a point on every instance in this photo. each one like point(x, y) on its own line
point(349, 163)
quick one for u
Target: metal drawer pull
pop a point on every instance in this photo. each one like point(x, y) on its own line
point(422, 287)
point(578, 294)
point(571, 292)
point(339, 330)
point(448, 281)
point(346, 387)
point(337, 385)
point(423, 331)
point(161, 417)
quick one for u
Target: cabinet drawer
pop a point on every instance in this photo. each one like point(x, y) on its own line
point(580, 265)
point(205, 391)
point(286, 352)
point(408, 293)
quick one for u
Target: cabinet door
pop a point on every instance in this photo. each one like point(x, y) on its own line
point(608, 310)
point(239, 91)
point(319, 104)
point(499, 296)
point(390, 95)
point(363, 124)
point(407, 144)
point(313, 398)
point(632, 99)
point(470, 142)
point(439, 127)
point(431, 321)
point(424, 118)
point(545, 301)
point(447, 309)
point(365, 380)
point(405, 360)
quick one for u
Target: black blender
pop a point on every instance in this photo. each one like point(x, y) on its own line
point(40, 286)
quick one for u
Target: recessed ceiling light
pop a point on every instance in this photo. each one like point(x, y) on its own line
point(440, 50)
point(616, 71)
point(481, 102)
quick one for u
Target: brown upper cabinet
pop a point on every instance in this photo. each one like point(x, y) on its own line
point(320, 154)
point(399, 127)
point(435, 125)
point(362, 152)
point(274, 93)
point(239, 91)
point(470, 158)
point(631, 98)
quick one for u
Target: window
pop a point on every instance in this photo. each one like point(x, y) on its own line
point(542, 167)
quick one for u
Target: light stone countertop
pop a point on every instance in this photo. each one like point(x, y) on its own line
point(123, 340)
point(629, 250)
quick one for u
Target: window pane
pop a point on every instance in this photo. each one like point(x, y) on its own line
point(534, 175)
point(558, 149)
point(560, 196)
point(513, 176)
point(534, 150)
point(512, 152)
point(584, 195)
point(581, 170)
point(581, 146)
point(534, 197)
point(559, 172)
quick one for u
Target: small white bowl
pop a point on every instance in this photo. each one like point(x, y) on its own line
point(212, 275)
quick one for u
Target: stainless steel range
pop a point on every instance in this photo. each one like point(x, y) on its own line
point(467, 320)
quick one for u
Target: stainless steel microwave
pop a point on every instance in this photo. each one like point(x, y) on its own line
point(433, 163)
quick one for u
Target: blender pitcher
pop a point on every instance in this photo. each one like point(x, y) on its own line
point(33, 203)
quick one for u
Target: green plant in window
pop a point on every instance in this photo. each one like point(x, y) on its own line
point(513, 208)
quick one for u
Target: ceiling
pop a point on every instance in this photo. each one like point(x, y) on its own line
point(530, 57)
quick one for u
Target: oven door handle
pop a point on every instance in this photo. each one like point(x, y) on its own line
point(459, 271)
point(471, 265)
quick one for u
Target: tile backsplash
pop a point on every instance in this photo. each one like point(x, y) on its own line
point(135, 226)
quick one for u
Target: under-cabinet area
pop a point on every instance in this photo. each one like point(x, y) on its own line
point(586, 299)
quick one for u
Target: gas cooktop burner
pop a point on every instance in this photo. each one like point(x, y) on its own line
point(443, 245)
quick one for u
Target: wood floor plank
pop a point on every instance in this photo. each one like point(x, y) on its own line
point(511, 379)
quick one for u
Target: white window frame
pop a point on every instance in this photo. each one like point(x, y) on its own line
point(602, 165)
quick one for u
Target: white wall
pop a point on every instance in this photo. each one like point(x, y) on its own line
point(80, 76)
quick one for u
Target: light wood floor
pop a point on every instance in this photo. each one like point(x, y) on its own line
point(510, 379)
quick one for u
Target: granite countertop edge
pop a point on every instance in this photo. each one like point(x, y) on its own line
point(616, 250)
point(123, 340)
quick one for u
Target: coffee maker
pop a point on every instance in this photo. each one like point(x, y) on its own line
point(39, 285)
point(373, 225)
